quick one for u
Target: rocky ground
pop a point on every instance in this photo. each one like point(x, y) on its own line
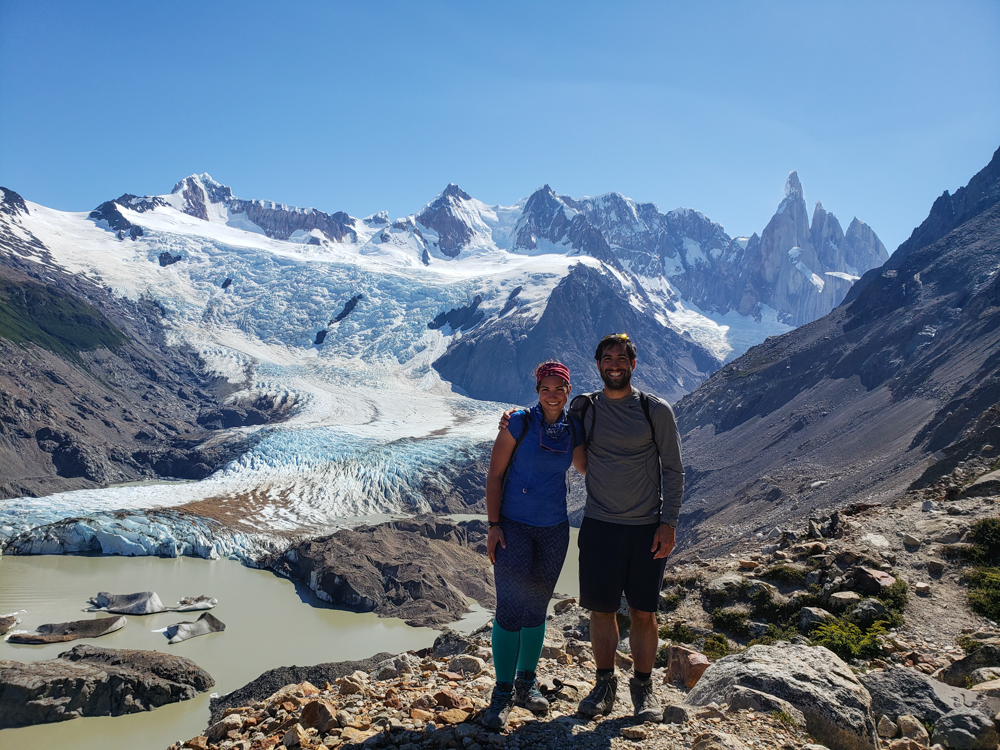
point(895, 572)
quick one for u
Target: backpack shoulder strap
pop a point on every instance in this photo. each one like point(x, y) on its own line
point(517, 444)
point(588, 402)
point(644, 401)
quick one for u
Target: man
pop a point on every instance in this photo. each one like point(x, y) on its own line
point(634, 485)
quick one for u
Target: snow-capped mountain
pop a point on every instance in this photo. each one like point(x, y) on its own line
point(377, 331)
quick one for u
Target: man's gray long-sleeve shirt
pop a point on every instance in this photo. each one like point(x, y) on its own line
point(624, 478)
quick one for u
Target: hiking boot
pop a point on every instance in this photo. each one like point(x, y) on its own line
point(495, 715)
point(601, 699)
point(527, 695)
point(644, 701)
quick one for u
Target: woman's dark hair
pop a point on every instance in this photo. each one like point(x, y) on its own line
point(614, 339)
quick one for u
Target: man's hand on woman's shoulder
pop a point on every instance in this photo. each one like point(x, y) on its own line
point(505, 418)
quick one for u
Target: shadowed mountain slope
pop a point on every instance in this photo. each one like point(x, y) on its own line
point(855, 406)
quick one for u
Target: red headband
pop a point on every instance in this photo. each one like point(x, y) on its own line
point(552, 368)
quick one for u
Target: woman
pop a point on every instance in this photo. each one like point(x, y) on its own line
point(529, 534)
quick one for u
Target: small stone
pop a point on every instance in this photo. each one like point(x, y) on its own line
point(421, 715)
point(887, 728)
point(563, 605)
point(453, 716)
point(910, 727)
point(467, 664)
point(749, 564)
point(905, 743)
point(295, 736)
point(348, 686)
point(922, 589)
point(221, 729)
point(679, 713)
point(843, 599)
point(635, 733)
point(910, 541)
point(623, 661)
point(319, 715)
point(197, 743)
point(451, 699)
point(935, 567)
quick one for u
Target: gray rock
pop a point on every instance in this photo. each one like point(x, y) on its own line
point(219, 729)
point(204, 625)
point(987, 655)
point(984, 674)
point(726, 586)
point(743, 697)
point(843, 599)
point(935, 567)
point(900, 691)
point(811, 617)
point(679, 713)
point(870, 581)
point(91, 681)
point(867, 612)
point(467, 664)
point(887, 728)
point(422, 570)
point(70, 631)
point(146, 603)
point(965, 729)
point(910, 541)
point(836, 706)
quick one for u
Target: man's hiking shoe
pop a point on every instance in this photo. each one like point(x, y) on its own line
point(495, 715)
point(644, 701)
point(527, 695)
point(601, 699)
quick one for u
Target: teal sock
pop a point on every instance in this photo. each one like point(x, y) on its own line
point(505, 647)
point(531, 648)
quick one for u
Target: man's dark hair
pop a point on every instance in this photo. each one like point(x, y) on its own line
point(614, 339)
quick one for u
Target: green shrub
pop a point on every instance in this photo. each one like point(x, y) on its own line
point(984, 591)
point(969, 645)
point(847, 640)
point(662, 657)
point(773, 634)
point(896, 596)
point(732, 619)
point(785, 718)
point(985, 538)
point(716, 646)
point(679, 633)
point(671, 600)
point(786, 574)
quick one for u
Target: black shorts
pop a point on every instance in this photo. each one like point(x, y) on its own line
point(616, 559)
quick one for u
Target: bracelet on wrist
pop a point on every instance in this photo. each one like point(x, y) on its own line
point(493, 523)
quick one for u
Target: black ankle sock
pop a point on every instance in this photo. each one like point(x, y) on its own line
point(525, 675)
point(643, 676)
point(605, 672)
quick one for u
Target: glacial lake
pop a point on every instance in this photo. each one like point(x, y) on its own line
point(270, 622)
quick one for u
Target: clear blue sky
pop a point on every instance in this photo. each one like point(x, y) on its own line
point(363, 106)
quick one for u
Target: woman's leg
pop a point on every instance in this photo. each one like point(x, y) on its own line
point(510, 573)
point(549, 544)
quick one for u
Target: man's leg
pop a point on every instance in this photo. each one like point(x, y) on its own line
point(643, 638)
point(604, 638)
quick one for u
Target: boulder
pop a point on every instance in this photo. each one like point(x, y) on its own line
point(900, 691)
point(423, 570)
point(742, 698)
point(466, 664)
point(966, 729)
point(867, 612)
point(684, 665)
point(837, 708)
point(990, 688)
point(841, 600)
point(716, 740)
point(204, 625)
point(887, 728)
point(92, 681)
point(810, 617)
point(984, 674)
point(70, 631)
point(725, 587)
point(957, 673)
point(871, 581)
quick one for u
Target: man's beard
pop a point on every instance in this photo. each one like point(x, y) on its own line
point(617, 385)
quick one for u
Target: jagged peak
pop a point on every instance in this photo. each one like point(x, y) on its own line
point(792, 184)
point(379, 219)
point(11, 203)
point(454, 191)
point(215, 190)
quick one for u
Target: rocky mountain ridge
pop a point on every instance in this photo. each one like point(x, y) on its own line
point(855, 404)
point(90, 392)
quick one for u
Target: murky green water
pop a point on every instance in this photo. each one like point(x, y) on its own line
point(270, 622)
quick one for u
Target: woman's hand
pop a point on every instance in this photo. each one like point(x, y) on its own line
point(495, 537)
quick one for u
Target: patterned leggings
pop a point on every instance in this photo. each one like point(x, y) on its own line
point(526, 572)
